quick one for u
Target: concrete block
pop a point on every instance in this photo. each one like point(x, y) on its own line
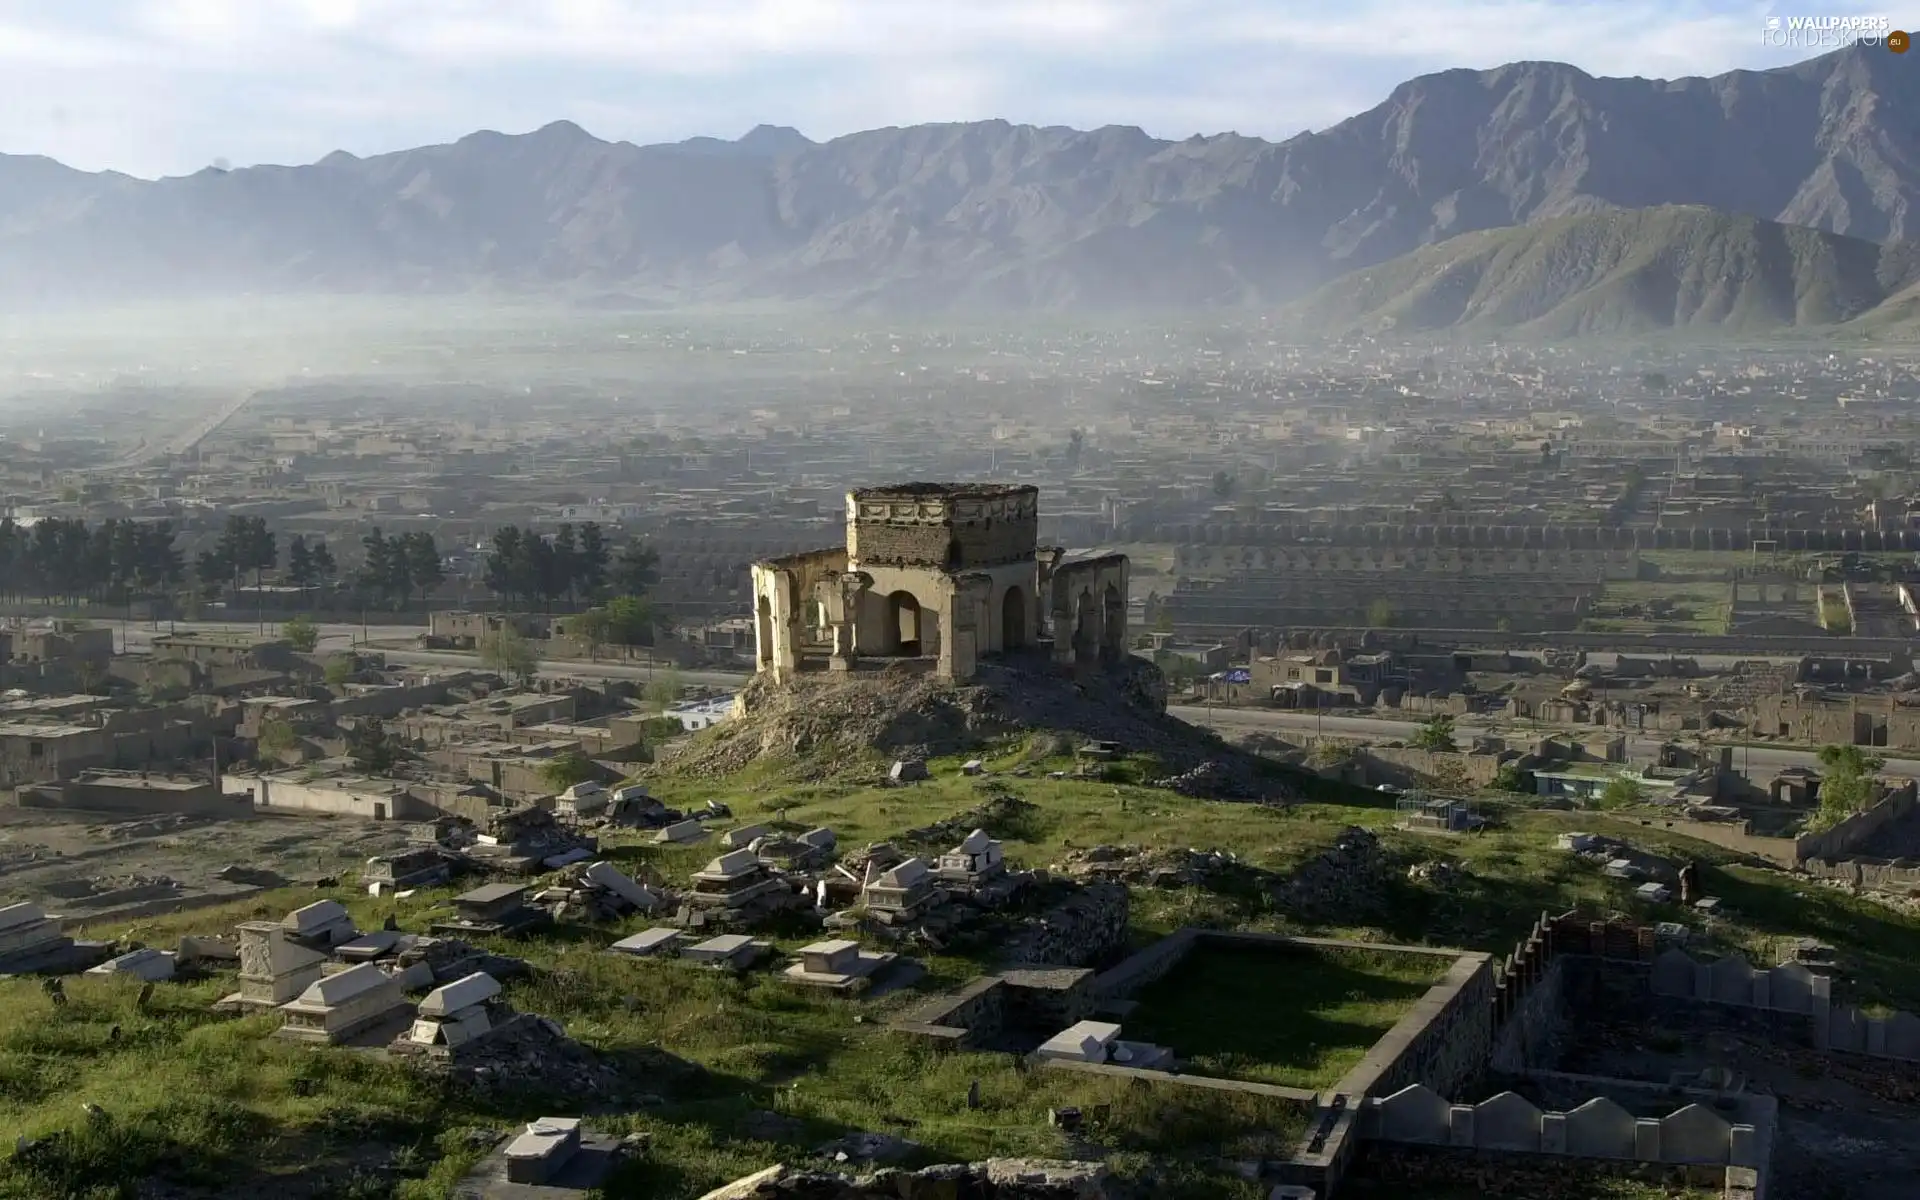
point(1743, 1146)
point(1414, 1114)
point(1695, 1134)
point(1506, 1122)
point(1553, 1133)
point(1600, 1128)
point(1646, 1140)
point(1460, 1125)
point(1673, 974)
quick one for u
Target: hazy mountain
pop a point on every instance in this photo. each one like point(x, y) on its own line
point(1620, 272)
point(935, 216)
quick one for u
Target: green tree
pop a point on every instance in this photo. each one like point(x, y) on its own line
point(339, 669)
point(372, 748)
point(1223, 485)
point(1435, 733)
point(636, 570)
point(1846, 783)
point(1509, 778)
point(277, 738)
point(590, 629)
point(562, 771)
point(663, 691)
point(1380, 614)
point(510, 653)
point(424, 568)
point(631, 621)
point(302, 633)
point(1622, 792)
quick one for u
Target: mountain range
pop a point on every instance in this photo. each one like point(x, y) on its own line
point(935, 218)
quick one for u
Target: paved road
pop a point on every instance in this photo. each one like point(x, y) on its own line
point(138, 638)
point(1753, 761)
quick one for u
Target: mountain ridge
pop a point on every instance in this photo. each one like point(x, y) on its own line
point(1626, 272)
point(985, 214)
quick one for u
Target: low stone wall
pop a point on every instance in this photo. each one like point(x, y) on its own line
point(1897, 875)
point(1791, 989)
point(1147, 965)
point(1856, 831)
point(1508, 1176)
point(961, 1019)
point(1601, 1128)
point(1087, 927)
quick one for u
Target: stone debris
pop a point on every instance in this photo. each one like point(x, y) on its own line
point(996, 812)
point(530, 1053)
point(1142, 867)
point(599, 891)
point(867, 1148)
point(1437, 874)
point(1001, 1178)
point(1349, 878)
point(1213, 779)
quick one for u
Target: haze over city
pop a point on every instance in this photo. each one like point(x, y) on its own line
point(1075, 600)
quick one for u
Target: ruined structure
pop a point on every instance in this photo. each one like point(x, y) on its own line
point(942, 573)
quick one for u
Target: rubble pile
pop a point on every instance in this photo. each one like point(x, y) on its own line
point(524, 841)
point(996, 813)
point(1213, 779)
point(1001, 1178)
point(1086, 927)
point(834, 725)
point(600, 892)
point(1140, 867)
point(1346, 879)
point(531, 1054)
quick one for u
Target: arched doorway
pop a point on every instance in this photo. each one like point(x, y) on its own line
point(763, 631)
point(1086, 627)
point(1113, 625)
point(903, 625)
point(1013, 620)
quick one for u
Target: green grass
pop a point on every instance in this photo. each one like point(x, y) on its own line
point(194, 1096)
point(1277, 1016)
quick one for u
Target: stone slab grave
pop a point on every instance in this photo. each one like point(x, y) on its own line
point(741, 838)
point(276, 966)
point(683, 833)
point(550, 1158)
point(838, 965)
point(149, 965)
point(456, 1015)
point(340, 1006)
point(496, 909)
point(1100, 1042)
point(656, 942)
point(729, 951)
point(32, 943)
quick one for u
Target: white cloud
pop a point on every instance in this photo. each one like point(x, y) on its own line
point(157, 86)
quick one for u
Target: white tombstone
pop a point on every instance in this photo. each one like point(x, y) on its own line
point(1087, 1041)
point(648, 942)
point(150, 965)
point(740, 839)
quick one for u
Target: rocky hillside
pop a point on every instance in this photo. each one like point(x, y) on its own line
point(938, 217)
point(1626, 272)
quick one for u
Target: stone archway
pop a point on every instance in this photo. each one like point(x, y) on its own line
point(763, 631)
point(1113, 626)
point(1086, 627)
point(903, 625)
point(1013, 620)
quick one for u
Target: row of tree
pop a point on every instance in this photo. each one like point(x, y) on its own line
point(64, 559)
point(524, 567)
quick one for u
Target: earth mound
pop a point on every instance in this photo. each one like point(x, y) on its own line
point(829, 724)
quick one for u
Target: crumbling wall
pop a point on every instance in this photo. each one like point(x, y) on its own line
point(1899, 875)
point(995, 1179)
point(1346, 879)
point(1085, 928)
point(1854, 833)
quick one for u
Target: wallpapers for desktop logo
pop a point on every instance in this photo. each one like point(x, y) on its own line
point(1830, 33)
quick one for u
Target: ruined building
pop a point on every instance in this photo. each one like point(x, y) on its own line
point(942, 573)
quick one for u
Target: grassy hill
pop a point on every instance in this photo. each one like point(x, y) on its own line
point(738, 1073)
point(1624, 272)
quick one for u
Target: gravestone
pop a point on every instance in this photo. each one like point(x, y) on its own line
point(1506, 1122)
point(1600, 1128)
point(1414, 1114)
point(1695, 1134)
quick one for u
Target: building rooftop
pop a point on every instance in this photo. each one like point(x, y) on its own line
point(918, 491)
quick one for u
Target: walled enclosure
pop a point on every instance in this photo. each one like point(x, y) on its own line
point(941, 572)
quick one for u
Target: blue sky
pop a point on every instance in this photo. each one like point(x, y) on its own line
point(157, 87)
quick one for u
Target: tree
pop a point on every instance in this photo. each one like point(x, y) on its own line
point(663, 691)
point(1380, 614)
point(1846, 783)
point(636, 570)
point(299, 562)
point(1435, 733)
point(323, 569)
point(631, 621)
point(590, 629)
point(595, 557)
point(562, 771)
point(424, 569)
point(302, 633)
point(277, 738)
point(1509, 778)
point(372, 748)
point(1223, 485)
point(1622, 792)
point(509, 653)
point(339, 669)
